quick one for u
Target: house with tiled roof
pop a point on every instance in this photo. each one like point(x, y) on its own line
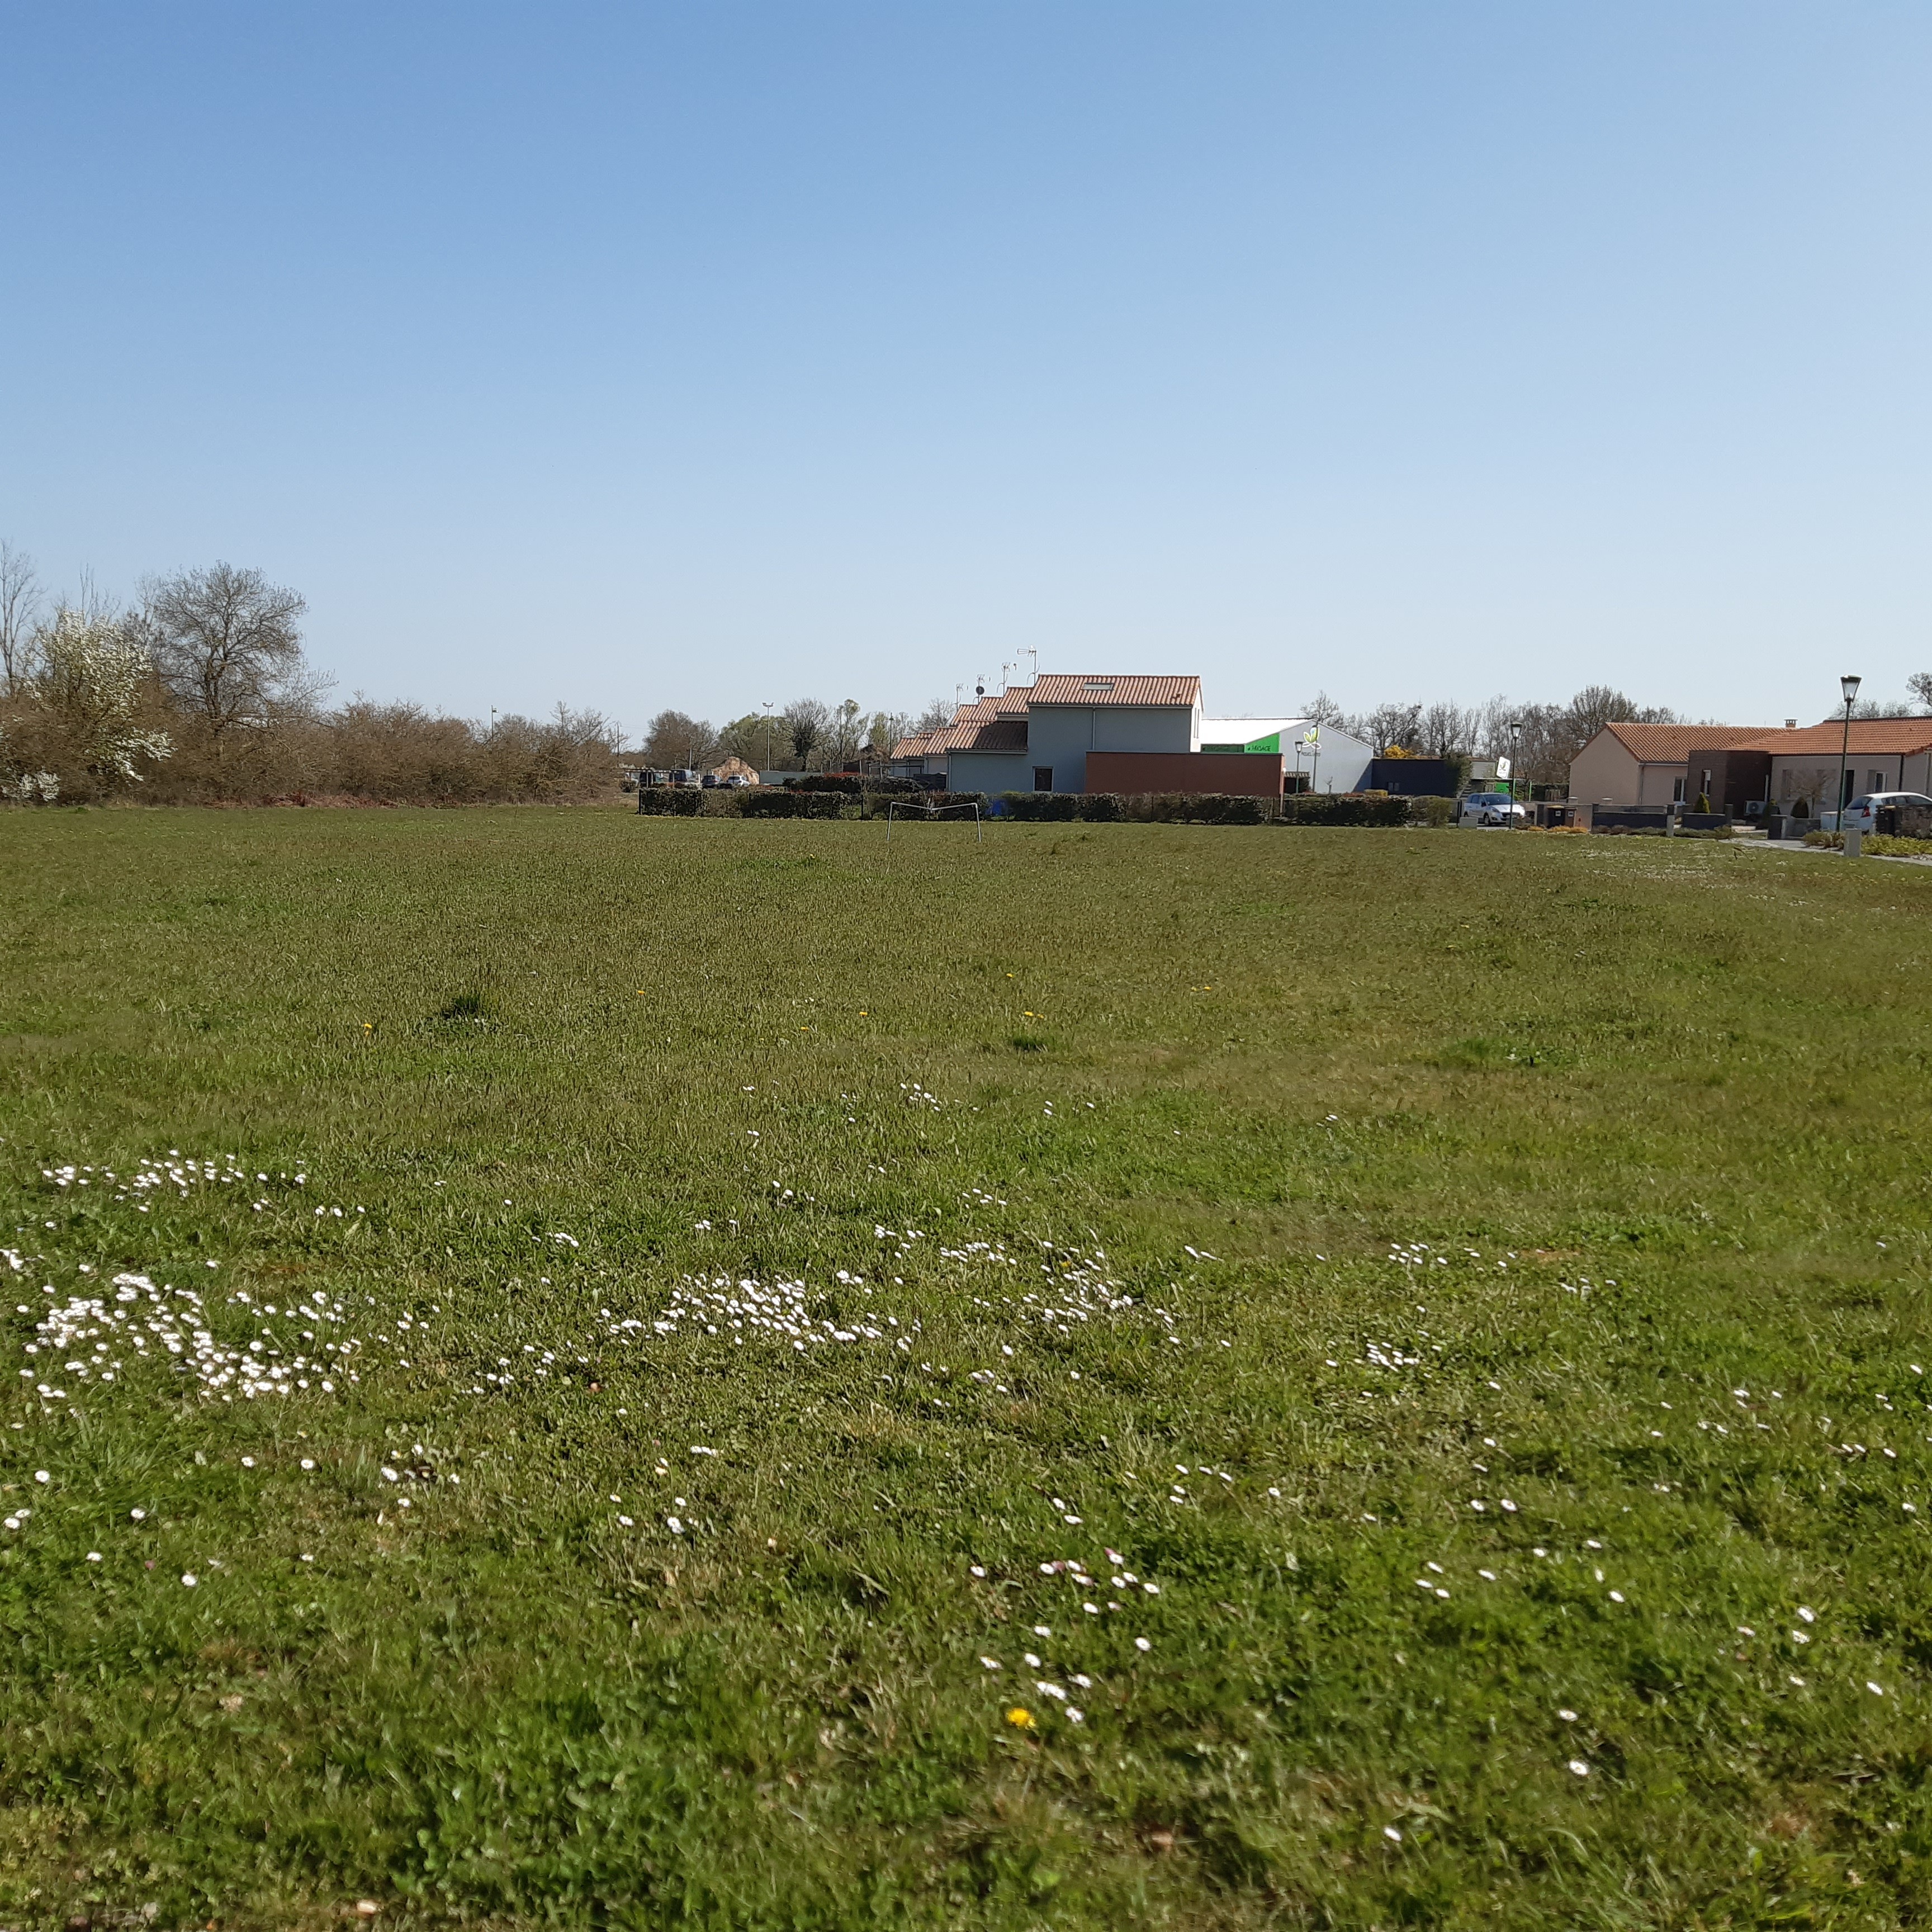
point(1648, 764)
point(1039, 737)
point(1883, 754)
point(1739, 767)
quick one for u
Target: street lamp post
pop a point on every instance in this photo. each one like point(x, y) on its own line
point(1849, 686)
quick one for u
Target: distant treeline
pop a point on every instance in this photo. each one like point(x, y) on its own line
point(200, 693)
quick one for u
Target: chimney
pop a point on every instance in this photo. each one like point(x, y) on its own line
point(1791, 724)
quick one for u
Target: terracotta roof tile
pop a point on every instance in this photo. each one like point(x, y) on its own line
point(1180, 693)
point(1673, 744)
point(1873, 737)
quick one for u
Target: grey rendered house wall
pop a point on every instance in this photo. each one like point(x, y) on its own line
point(1061, 736)
point(989, 771)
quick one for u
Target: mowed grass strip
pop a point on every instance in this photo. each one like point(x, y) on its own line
point(784, 1302)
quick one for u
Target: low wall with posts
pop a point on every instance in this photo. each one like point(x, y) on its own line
point(1654, 818)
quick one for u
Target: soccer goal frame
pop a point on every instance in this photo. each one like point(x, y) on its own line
point(895, 805)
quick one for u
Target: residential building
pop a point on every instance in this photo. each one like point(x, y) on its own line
point(1142, 733)
point(1737, 767)
point(1885, 754)
point(1648, 764)
point(1036, 737)
point(987, 729)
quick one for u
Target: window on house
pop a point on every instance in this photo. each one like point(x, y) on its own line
point(1677, 791)
point(1845, 796)
point(1875, 782)
point(1043, 777)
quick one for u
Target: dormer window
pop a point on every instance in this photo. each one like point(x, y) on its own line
point(1099, 684)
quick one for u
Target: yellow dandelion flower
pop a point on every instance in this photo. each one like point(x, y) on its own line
point(1020, 1718)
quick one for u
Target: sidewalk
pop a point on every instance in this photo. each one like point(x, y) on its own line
point(1761, 844)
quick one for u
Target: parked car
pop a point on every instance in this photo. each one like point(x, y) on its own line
point(1862, 813)
point(735, 779)
point(684, 775)
point(1490, 807)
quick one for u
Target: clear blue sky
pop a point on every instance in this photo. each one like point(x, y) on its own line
point(710, 354)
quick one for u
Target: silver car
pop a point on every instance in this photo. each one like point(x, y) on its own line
point(1862, 814)
point(1490, 808)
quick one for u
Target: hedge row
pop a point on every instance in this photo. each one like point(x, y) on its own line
point(767, 801)
point(1042, 807)
point(1205, 809)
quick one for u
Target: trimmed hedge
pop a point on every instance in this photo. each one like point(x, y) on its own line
point(762, 803)
point(670, 801)
point(1345, 809)
point(1050, 807)
point(1204, 808)
point(1208, 808)
point(1058, 808)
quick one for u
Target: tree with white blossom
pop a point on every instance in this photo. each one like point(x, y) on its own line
point(90, 679)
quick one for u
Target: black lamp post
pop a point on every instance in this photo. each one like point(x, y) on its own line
point(1849, 686)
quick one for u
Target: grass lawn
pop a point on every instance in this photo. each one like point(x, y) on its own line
point(570, 1368)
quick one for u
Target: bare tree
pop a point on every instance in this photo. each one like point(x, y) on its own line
point(1322, 710)
point(847, 729)
point(20, 600)
point(226, 644)
point(1920, 685)
point(806, 722)
point(1447, 731)
point(938, 715)
point(1392, 728)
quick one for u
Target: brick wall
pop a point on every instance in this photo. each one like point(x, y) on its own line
point(1246, 774)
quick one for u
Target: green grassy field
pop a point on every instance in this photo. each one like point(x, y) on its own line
point(1133, 1375)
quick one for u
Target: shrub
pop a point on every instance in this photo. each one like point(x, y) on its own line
point(1207, 808)
point(1881, 845)
point(670, 802)
point(1344, 808)
point(762, 803)
point(1052, 807)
